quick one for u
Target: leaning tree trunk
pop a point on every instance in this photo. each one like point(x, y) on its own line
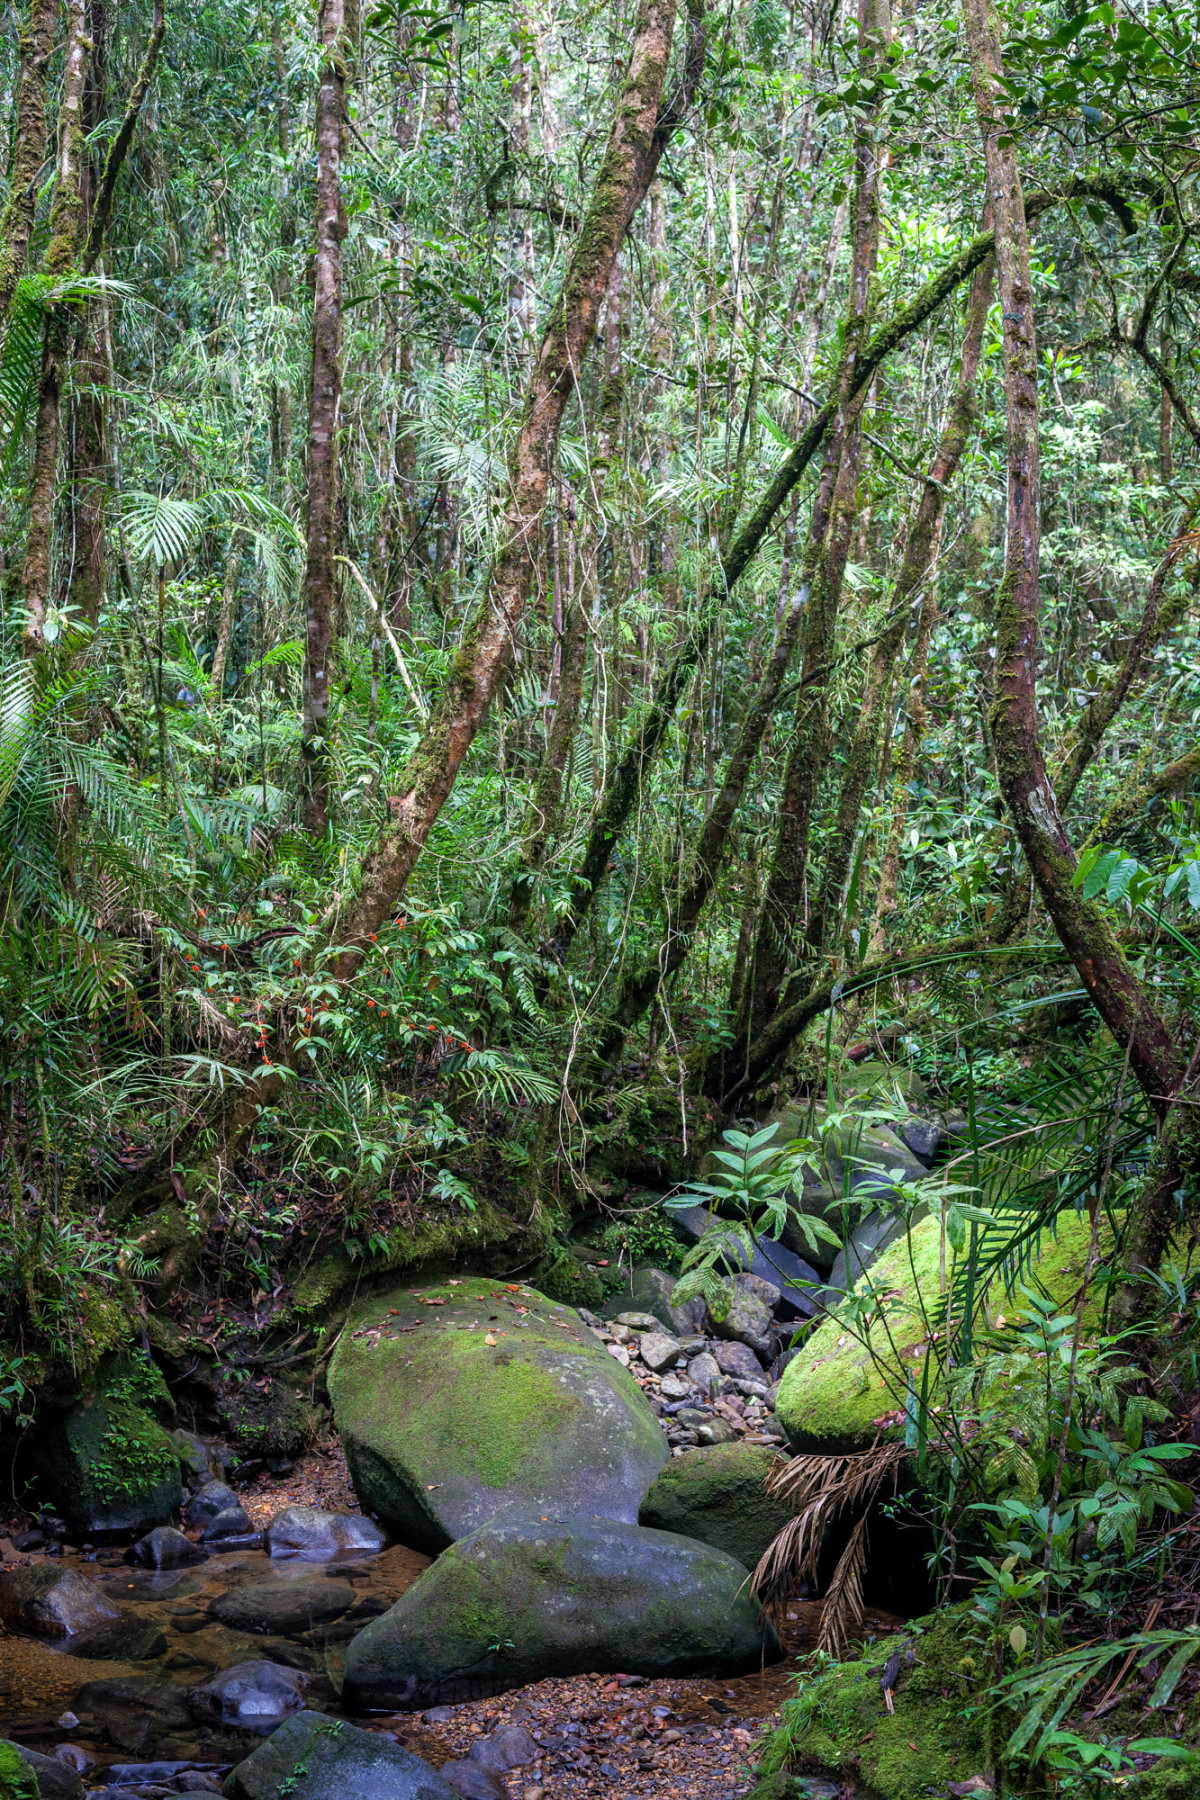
point(1084, 930)
point(335, 30)
point(29, 146)
point(66, 218)
point(639, 132)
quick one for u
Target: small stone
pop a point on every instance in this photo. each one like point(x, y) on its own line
point(619, 1353)
point(539, 1793)
point(75, 1757)
point(704, 1372)
point(66, 1721)
point(471, 1781)
point(737, 1359)
point(675, 1387)
point(509, 1748)
point(659, 1352)
point(716, 1431)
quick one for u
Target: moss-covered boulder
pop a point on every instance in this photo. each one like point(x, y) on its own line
point(311, 1757)
point(838, 1394)
point(270, 1419)
point(838, 1724)
point(461, 1401)
point(107, 1464)
point(528, 1598)
point(718, 1494)
point(17, 1779)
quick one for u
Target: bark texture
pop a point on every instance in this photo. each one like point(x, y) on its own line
point(29, 145)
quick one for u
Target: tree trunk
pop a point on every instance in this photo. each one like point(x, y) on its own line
point(88, 446)
point(1083, 928)
point(34, 50)
point(336, 30)
point(638, 135)
point(66, 217)
point(920, 557)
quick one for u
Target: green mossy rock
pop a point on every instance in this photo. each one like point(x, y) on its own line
point(311, 1757)
point(566, 1280)
point(528, 1598)
point(838, 1723)
point(274, 1422)
point(718, 1495)
point(17, 1779)
point(835, 1397)
point(107, 1464)
point(444, 1430)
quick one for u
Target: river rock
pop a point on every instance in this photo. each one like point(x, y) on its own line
point(924, 1137)
point(55, 1780)
point(659, 1352)
point(137, 1711)
point(459, 1404)
point(231, 1529)
point(208, 1502)
point(326, 1759)
point(739, 1360)
point(748, 1322)
point(130, 1638)
point(282, 1608)
point(704, 1372)
point(719, 1496)
point(254, 1696)
point(523, 1599)
point(53, 1603)
point(165, 1548)
point(198, 1461)
point(17, 1780)
point(315, 1536)
point(509, 1748)
point(472, 1781)
point(108, 1465)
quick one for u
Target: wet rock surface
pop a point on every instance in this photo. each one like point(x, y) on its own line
point(322, 1759)
point(314, 1535)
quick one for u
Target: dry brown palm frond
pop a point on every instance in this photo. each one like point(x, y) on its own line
point(822, 1489)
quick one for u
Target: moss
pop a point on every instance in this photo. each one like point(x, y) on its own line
point(107, 1463)
point(836, 1396)
point(564, 1278)
point(462, 1398)
point(17, 1779)
point(838, 1721)
point(265, 1418)
point(718, 1495)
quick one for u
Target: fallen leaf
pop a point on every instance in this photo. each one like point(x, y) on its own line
point(490, 1338)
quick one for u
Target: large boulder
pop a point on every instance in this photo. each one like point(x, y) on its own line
point(524, 1599)
point(837, 1394)
point(51, 1602)
point(311, 1757)
point(719, 1496)
point(459, 1403)
point(107, 1464)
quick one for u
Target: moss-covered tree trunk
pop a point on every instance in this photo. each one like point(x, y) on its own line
point(28, 145)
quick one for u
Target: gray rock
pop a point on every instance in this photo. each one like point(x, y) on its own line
point(233, 1521)
point(675, 1387)
point(736, 1358)
point(53, 1603)
point(924, 1137)
point(195, 1781)
point(255, 1696)
point(56, 1780)
point(198, 1460)
point(327, 1759)
point(526, 1598)
point(716, 1431)
point(130, 1638)
point(315, 1536)
point(509, 1748)
point(165, 1548)
point(649, 1291)
point(704, 1372)
point(509, 1404)
point(75, 1757)
point(637, 1321)
point(471, 1781)
point(213, 1498)
point(747, 1322)
point(659, 1352)
point(107, 1464)
point(282, 1608)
